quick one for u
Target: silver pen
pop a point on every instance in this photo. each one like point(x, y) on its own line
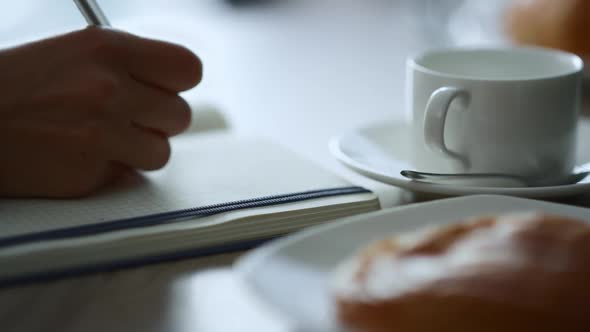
point(92, 13)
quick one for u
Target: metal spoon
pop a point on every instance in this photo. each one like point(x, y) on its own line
point(493, 179)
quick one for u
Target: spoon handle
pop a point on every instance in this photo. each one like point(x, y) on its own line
point(496, 179)
point(437, 177)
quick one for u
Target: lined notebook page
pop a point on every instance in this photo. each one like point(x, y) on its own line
point(203, 170)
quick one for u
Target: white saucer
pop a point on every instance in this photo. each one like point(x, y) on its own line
point(382, 150)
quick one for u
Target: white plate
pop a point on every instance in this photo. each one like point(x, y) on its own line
point(292, 274)
point(381, 151)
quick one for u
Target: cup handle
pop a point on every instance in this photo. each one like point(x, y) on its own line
point(435, 117)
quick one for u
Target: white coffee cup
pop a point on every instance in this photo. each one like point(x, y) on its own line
point(507, 110)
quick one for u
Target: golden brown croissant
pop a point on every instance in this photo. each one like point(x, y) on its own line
point(563, 24)
point(509, 273)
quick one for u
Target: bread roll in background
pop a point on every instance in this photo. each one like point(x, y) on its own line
point(508, 273)
point(561, 24)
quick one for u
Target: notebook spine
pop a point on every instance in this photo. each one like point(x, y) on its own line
point(175, 216)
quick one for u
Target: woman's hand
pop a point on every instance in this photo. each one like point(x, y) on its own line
point(79, 109)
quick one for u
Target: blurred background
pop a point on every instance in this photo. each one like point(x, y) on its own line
point(295, 70)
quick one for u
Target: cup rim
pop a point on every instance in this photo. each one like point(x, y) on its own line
point(577, 62)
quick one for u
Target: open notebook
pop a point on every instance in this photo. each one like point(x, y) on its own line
point(218, 193)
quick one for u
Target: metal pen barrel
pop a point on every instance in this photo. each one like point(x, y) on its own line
point(92, 12)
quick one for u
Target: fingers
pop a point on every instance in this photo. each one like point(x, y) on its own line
point(167, 66)
point(155, 109)
point(136, 147)
point(80, 105)
point(164, 65)
point(128, 86)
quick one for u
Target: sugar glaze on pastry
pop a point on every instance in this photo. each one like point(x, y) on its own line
point(531, 264)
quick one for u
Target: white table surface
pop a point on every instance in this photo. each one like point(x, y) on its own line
point(299, 74)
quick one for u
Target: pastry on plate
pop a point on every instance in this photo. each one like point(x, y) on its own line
point(562, 24)
point(518, 272)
